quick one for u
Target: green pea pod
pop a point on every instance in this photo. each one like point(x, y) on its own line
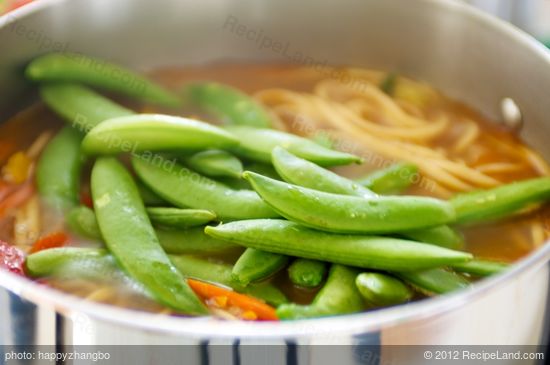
point(69, 263)
point(307, 273)
point(392, 180)
point(350, 214)
point(80, 106)
point(300, 172)
point(77, 263)
point(82, 220)
point(500, 202)
point(257, 265)
point(187, 189)
point(154, 132)
point(215, 163)
point(338, 296)
point(293, 239)
point(73, 67)
point(256, 144)
point(58, 170)
point(227, 103)
point(481, 267)
point(435, 281)
point(180, 218)
point(193, 241)
point(296, 170)
point(203, 269)
point(131, 239)
point(46, 262)
point(443, 236)
point(382, 290)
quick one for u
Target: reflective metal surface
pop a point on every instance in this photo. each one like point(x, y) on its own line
point(466, 54)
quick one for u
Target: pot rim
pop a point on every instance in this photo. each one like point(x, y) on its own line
point(74, 307)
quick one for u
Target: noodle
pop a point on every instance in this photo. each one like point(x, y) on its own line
point(470, 135)
point(38, 145)
point(405, 127)
point(500, 167)
point(536, 161)
point(26, 227)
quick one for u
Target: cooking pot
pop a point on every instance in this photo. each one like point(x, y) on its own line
point(466, 54)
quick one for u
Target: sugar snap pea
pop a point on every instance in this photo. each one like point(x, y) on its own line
point(227, 103)
point(193, 241)
point(154, 132)
point(257, 144)
point(76, 262)
point(339, 295)
point(307, 273)
point(46, 262)
point(215, 163)
point(443, 236)
point(350, 214)
point(500, 202)
point(179, 218)
point(257, 265)
point(203, 269)
point(292, 239)
point(187, 189)
point(82, 220)
point(437, 280)
point(298, 171)
point(58, 170)
point(391, 180)
point(479, 267)
point(130, 237)
point(74, 67)
point(94, 264)
point(80, 106)
point(382, 290)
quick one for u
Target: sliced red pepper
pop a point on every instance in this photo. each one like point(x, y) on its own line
point(53, 240)
point(11, 258)
point(251, 308)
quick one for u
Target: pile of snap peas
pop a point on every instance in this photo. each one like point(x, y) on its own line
point(186, 191)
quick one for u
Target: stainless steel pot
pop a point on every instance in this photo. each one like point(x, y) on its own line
point(465, 53)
